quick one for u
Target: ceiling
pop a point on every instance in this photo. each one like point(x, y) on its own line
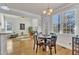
point(35, 8)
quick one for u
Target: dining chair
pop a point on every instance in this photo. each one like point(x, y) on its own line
point(35, 37)
point(52, 43)
point(75, 45)
point(37, 42)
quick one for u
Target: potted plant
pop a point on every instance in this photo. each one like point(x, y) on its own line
point(30, 30)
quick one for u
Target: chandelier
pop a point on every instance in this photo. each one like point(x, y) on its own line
point(48, 11)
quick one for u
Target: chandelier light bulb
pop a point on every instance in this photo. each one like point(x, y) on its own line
point(51, 10)
point(48, 11)
point(44, 12)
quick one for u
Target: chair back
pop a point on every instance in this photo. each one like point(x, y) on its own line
point(75, 45)
point(35, 37)
point(53, 39)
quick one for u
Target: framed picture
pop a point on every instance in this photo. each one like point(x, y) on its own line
point(9, 27)
point(22, 26)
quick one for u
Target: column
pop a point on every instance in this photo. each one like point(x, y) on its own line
point(3, 43)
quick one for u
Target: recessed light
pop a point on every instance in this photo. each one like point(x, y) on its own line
point(5, 8)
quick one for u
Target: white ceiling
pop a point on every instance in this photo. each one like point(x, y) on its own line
point(35, 8)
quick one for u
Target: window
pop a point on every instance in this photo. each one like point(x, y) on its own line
point(69, 22)
point(35, 24)
point(56, 23)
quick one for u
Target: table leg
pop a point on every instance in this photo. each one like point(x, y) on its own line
point(44, 48)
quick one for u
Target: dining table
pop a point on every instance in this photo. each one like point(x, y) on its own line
point(44, 38)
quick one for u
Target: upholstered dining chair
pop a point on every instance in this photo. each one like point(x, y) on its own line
point(52, 43)
point(75, 45)
point(35, 38)
point(37, 42)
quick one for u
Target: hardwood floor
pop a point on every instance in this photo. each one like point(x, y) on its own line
point(25, 47)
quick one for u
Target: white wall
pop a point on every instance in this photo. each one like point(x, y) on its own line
point(1, 22)
point(15, 21)
point(65, 40)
